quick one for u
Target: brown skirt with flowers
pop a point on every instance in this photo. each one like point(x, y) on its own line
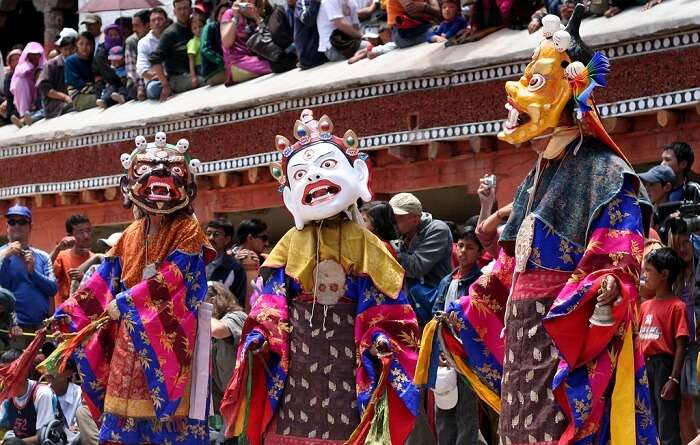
point(529, 412)
point(319, 403)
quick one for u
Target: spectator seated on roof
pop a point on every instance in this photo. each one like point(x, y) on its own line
point(7, 107)
point(561, 8)
point(105, 75)
point(411, 21)
point(340, 35)
point(378, 44)
point(237, 25)
point(52, 81)
point(194, 48)
point(79, 77)
point(615, 7)
point(452, 22)
point(170, 62)
point(306, 34)
point(23, 85)
point(93, 25)
point(280, 23)
point(126, 26)
point(488, 16)
point(212, 53)
point(147, 45)
point(140, 26)
point(115, 93)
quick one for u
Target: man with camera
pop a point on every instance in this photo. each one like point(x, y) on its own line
point(25, 271)
point(680, 157)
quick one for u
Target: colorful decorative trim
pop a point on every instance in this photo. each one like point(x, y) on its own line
point(367, 143)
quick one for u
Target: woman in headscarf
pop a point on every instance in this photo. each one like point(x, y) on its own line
point(7, 107)
point(100, 64)
point(23, 85)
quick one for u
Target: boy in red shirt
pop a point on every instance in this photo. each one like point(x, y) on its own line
point(664, 335)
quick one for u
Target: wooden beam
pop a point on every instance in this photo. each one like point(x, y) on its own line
point(67, 198)
point(219, 181)
point(617, 125)
point(482, 143)
point(253, 175)
point(89, 196)
point(111, 193)
point(41, 201)
point(668, 118)
point(439, 150)
point(404, 153)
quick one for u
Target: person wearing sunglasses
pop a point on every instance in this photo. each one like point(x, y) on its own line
point(25, 271)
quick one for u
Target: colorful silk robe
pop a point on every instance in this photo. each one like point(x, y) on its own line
point(473, 344)
point(590, 216)
point(373, 282)
point(138, 370)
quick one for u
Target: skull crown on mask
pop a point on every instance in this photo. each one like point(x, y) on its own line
point(321, 175)
point(159, 176)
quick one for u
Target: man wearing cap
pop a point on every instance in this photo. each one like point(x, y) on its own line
point(51, 82)
point(25, 271)
point(93, 25)
point(659, 182)
point(425, 251)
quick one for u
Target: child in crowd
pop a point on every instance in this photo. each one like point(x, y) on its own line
point(194, 48)
point(452, 22)
point(456, 416)
point(26, 414)
point(664, 334)
point(115, 94)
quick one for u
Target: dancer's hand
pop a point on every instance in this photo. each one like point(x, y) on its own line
point(380, 348)
point(609, 290)
point(113, 310)
point(262, 349)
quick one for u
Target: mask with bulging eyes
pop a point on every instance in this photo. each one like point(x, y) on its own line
point(159, 177)
point(322, 175)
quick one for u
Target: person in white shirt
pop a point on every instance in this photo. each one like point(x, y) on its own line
point(158, 21)
point(26, 414)
point(340, 15)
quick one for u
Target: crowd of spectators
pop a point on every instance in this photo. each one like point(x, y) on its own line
point(152, 56)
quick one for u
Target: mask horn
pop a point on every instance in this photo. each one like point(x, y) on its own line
point(577, 49)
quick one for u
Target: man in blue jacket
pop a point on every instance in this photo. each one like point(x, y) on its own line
point(25, 271)
point(306, 34)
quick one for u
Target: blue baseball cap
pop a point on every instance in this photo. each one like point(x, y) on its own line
point(18, 210)
point(659, 173)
